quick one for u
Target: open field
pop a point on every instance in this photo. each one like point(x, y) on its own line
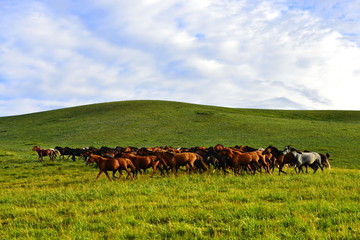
point(59, 200)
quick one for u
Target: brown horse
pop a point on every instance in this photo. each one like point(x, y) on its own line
point(52, 153)
point(272, 154)
point(247, 160)
point(111, 164)
point(143, 162)
point(175, 160)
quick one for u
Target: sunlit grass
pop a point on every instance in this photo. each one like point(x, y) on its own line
point(65, 202)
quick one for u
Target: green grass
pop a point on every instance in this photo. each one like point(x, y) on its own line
point(64, 202)
point(60, 200)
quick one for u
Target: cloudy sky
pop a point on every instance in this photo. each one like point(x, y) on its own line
point(279, 54)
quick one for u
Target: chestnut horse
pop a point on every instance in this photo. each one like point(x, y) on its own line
point(111, 164)
point(275, 157)
point(239, 160)
point(176, 160)
point(52, 153)
point(143, 162)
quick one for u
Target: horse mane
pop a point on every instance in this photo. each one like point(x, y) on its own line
point(292, 149)
point(276, 150)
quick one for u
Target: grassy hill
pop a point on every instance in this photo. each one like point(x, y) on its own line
point(163, 123)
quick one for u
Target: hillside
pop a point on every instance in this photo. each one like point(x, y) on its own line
point(160, 123)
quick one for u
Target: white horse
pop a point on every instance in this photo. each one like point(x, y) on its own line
point(312, 159)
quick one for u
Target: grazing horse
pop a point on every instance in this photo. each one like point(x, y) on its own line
point(52, 153)
point(312, 159)
point(111, 164)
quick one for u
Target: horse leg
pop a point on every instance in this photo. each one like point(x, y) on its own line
point(281, 165)
point(192, 167)
point(98, 175)
point(154, 167)
point(107, 175)
point(321, 167)
point(129, 174)
point(315, 168)
point(115, 172)
point(40, 158)
point(299, 168)
point(162, 173)
point(266, 167)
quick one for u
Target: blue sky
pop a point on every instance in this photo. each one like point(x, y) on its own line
point(280, 54)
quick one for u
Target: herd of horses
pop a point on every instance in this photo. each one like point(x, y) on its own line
point(238, 159)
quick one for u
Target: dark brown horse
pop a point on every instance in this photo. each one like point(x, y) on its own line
point(111, 164)
point(52, 153)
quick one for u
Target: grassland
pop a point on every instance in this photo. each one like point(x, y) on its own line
point(59, 200)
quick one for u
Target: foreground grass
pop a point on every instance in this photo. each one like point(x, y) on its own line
point(60, 200)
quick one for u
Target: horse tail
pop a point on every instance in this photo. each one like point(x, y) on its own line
point(201, 162)
point(130, 164)
point(325, 160)
point(57, 153)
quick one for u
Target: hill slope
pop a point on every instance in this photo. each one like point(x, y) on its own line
point(160, 123)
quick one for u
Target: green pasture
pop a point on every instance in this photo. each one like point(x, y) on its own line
point(60, 200)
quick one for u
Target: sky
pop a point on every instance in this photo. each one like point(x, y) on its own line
point(279, 54)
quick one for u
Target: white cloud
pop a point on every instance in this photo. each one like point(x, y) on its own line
point(229, 53)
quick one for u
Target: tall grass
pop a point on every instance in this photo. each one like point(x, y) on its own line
point(64, 202)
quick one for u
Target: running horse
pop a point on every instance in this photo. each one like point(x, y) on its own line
point(111, 164)
point(52, 153)
point(312, 159)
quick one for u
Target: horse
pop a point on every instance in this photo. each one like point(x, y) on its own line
point(143, 162)
point(70, 152)
point(176, 160)
point(52, 153)
point(277, 158)
point(312, 159)
point(111, 164)
point(239, 161)
point(253, 160)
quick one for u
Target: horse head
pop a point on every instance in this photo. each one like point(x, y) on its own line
point(35, 148)
point(288, 149)
point(91, 159)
